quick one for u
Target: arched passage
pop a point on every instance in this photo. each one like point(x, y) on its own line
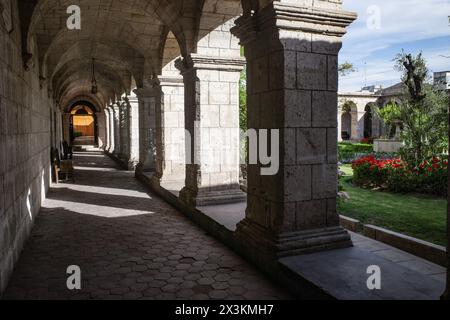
point(83, 125)
point(292, 52)
point(349, 121)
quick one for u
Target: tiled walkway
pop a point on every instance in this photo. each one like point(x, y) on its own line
point(128, 244)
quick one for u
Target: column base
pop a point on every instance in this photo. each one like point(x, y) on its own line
point(257, 240)
point(144, 169)
point(210, 198)
point(132, 165)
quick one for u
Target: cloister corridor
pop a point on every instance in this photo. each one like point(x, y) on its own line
point(129, 244)
point(150, 94)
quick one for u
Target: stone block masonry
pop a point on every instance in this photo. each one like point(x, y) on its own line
point(292, 87)
point(25, 142)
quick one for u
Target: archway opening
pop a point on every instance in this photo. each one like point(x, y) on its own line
point(347, 120)
point(83, 126)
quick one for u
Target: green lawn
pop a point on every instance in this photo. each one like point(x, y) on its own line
point(421, 217)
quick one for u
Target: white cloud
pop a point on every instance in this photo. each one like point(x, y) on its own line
point(401, 21)
point(379, 71)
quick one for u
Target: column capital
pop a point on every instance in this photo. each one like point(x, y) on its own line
point(132, 101)
point(203, 62)
point(147, 93)
point(326, 19)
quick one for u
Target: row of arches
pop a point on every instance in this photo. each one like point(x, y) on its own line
point(132, 44)
point(357, 125)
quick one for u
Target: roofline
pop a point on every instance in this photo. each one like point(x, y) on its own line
point(359, 94)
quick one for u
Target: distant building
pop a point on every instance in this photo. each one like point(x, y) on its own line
point(442, 80)
point(357, 117)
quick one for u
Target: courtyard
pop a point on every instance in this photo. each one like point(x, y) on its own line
point(190, 150)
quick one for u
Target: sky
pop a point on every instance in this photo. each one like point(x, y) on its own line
point(383, 29)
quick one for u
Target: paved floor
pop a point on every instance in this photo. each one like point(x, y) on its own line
point(128, 244)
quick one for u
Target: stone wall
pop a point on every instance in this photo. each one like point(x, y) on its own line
point(25, 141)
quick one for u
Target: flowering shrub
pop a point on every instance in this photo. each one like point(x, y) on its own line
point(367, 141)
point(395, 175)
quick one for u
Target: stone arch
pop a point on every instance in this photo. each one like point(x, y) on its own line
point(170, 52)
point(349, 120)
point(26, 12)
point(213, 35)
point(82, 104)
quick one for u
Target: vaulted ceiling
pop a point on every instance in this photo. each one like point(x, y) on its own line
point(127, 39)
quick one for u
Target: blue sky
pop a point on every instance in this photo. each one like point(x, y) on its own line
point(384, 28)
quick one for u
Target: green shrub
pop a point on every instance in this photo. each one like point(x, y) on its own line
point(350, 151)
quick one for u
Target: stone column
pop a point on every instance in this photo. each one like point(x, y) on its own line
point(292, 81)
point(360, 122)
point(339, 122)
point(132, 105)
point(112, 134)
point(116, 122)
point(101, 123)
point(147, 99)
point(376, 132)
point(123, 121)
point(107, 129)
point(212, 120)
point(170, 134)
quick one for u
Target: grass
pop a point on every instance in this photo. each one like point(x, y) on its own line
point(418, 216)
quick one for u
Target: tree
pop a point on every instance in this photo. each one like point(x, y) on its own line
point(422, 111)
point(346, 68)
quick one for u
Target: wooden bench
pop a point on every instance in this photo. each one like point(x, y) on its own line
point(66, 170)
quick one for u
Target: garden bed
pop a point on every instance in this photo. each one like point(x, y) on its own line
point(420, 216)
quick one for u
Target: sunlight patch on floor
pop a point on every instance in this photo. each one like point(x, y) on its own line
point(94, 210)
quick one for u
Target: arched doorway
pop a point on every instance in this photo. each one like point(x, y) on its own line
point(347, 120)
point(83, 125)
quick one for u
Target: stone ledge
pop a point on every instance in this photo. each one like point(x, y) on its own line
point(342, 274)
point(123, 163)
point(351, 224)
point(420, 248)
point(417, 247)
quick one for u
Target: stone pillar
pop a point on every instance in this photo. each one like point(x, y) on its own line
point(212, 120)
point(132, 105)
point(112, 134)
point(376, 121)
point(147, 99)
point(170, 133)
point(101, 125)
point(107, 130)
point(123, 121)
point(292, 81)
point(116, 122)
point(339, 122)
point(360, 123)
